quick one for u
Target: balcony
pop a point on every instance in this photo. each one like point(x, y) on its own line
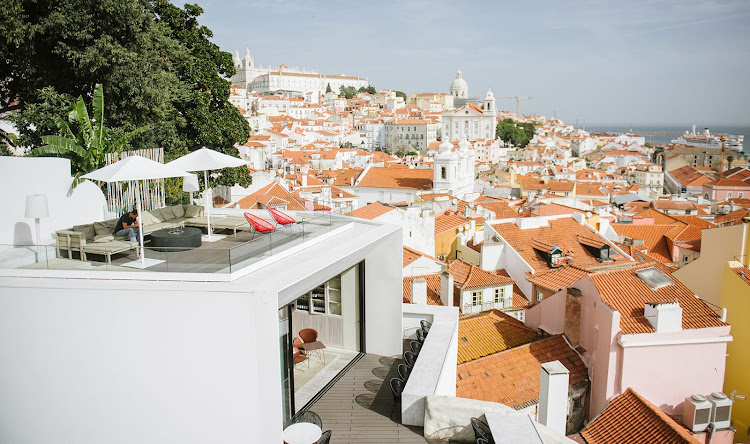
point(224, 259)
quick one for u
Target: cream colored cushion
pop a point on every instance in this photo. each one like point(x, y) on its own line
point(192, 210)
point(156, 216)
point(101, 238)
point(87, 230)
point(166, 213)
point(178, 210)
point(105, 227)
point(147, 218)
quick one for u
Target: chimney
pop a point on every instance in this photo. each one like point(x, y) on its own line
point(665, 317)
point(553, 396)
point(446, 289)
point(572, 327)
point(419, 291)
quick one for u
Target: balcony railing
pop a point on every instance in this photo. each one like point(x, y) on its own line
point(224, 257)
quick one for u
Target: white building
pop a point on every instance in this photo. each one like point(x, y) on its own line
point(282, 79)
point(410, 134)
point(459, 88)
point(453, 171)
point(470, 121)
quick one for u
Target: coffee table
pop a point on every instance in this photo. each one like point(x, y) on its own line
point(176, 240)
point(302, 433)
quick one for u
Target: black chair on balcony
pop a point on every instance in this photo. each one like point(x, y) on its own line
point(397, 387)
point(481, 430)
point(310, 417)
point(410, 358)
point(404, 371)
point(415, 347)
point(325, 438)
point(425, 326)
point(420, 336)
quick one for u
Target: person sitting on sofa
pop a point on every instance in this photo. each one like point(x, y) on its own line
point(127, 225)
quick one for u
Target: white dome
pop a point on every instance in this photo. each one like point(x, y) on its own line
point(459, 84)
point(489, 95)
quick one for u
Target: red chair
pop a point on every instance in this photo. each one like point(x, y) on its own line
point(259, 225)
point(281, 218)
point(308, 335)
point(299, 358)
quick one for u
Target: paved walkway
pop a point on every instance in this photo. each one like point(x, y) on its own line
point(358, 406)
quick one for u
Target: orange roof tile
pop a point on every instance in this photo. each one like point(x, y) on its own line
point(562, 233)
point(433, 288)
point(632, 419)
point(402, 178)
point(490, 332)
point(371, 211)
point(511, 377)
point(468, 276)
point(447, 222)
point(557, 278)
point(624, 291)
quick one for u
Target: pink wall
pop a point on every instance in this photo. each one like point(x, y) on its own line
point(643, 221)
point(548, 315)
point(666, 374)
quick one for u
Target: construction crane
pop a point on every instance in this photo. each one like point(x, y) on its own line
point(518, 101)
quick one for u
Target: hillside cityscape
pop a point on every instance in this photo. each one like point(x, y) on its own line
point(202, 248)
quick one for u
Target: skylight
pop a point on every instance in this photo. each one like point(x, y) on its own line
point(654, 278)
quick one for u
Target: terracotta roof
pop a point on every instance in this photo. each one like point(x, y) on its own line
point(511, 377)
point(562, 233)
point(653, 236)
point(557, 278)
point(632, 419)
point(269, 192)
point(402, 178)
point(742, 272)
point(733, 218)
point(371, 211)
point(624, 291)
point(447, 222)
point(468, 276)
point(490, 332)
point(411, 255)
point(433, 288)
point(554, 209)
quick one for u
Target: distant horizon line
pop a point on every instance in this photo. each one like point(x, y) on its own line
point(651, 124)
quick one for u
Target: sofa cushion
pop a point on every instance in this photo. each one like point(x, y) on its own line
point(105, 227)
point(178, 210)
point(101, 238)
point(87, 230)
point(166, 214)
point(192, 210)
point(156, 216)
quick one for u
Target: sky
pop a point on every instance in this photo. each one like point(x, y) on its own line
point(604, 62)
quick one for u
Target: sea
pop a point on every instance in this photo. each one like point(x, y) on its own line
point(637, 129)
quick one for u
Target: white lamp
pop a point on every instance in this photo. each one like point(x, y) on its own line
point(36, 208)
point(190, 184)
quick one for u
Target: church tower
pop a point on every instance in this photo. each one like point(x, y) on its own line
point(489, 104)
point(245, 69)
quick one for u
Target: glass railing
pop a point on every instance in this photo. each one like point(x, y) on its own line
point(226, 253)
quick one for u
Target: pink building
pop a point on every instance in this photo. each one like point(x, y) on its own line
point(723, 189)
point(638, 327)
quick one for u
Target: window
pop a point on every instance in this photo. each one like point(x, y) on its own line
point(740, 194)
point(729, 194)
point(686, 259)
point(443, 173)
point(499, 293)
point(539, 296)
point(476, 298)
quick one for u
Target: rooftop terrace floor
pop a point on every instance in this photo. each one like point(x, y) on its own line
point(358, 406)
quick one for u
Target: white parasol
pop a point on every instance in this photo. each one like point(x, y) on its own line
point(205, 160)
point(135, 169)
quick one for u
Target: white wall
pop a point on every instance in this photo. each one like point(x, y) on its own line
point(136, 362)
point(21, 176)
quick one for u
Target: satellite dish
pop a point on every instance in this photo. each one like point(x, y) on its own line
point(588, 215)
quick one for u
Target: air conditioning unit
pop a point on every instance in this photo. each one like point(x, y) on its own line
point(721, 413)
point(697, 413)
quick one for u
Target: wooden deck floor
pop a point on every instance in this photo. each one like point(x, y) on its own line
point(357, 408)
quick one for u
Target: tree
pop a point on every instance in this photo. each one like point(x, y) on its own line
point(401, 94)
point(516, 134)
point(730, 159)
point(367, 89)
point(88, 147)
point(328, 88)
point(347, 91)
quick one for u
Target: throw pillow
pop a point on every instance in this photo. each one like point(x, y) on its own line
point(87, 230)
point(101, 238)
point(193, 210)
point(105, 227)
point(167, 213)
point(146, 218)
point(178, 211)
point(156, 216)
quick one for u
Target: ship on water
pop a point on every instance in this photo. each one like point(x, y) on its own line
point(706, 139)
